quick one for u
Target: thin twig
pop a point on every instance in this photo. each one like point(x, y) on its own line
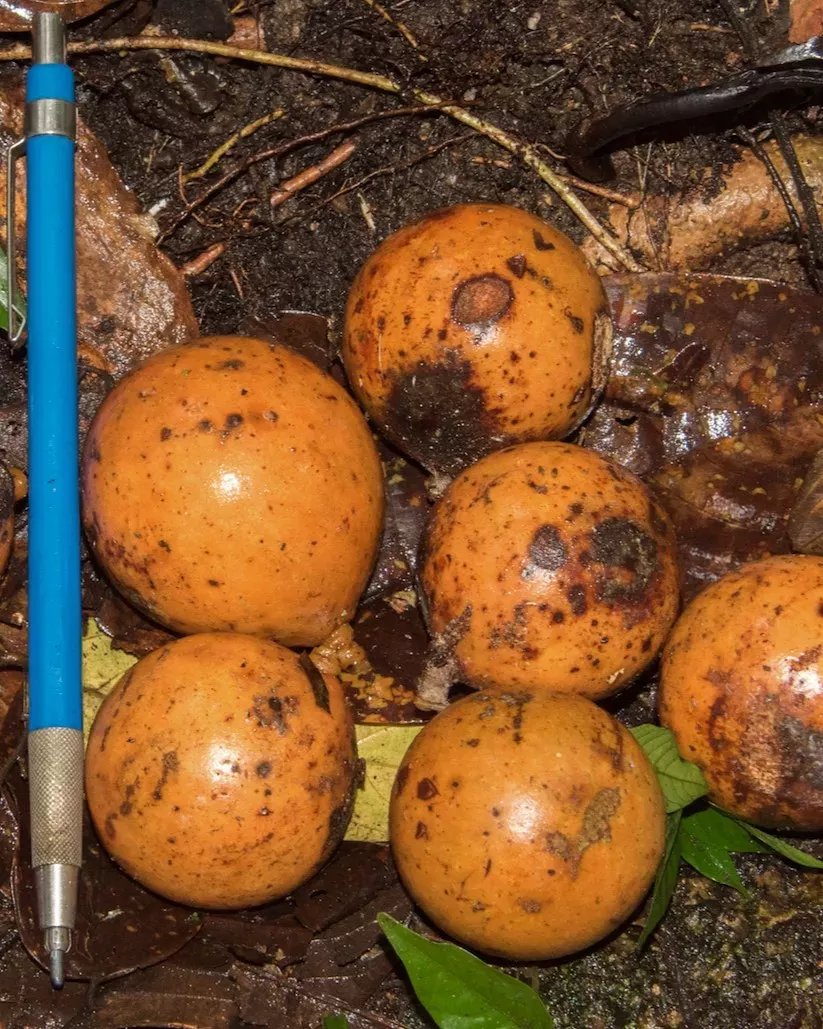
point(279, 151)
point(224, 148)
point(600, 191)
point(286, 190)
point(401, 28)
point(197, 265)
point(375, 81)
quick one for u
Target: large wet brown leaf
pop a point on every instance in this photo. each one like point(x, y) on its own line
point(120, 926)
point(715, 399)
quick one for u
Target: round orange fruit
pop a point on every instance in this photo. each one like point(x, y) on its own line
point(526, 825)
point(220, 771)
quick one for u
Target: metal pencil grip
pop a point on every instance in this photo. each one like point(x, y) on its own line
point(13, 154)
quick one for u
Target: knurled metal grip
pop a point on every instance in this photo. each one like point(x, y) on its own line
point(56, 792)
point(51, 118)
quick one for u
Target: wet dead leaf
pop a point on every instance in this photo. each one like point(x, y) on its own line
point(382, 747)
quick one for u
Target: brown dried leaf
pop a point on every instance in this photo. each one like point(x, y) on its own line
point(131, 300)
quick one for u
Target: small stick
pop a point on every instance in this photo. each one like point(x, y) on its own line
point(338, 156)
point(224, 148)
point(600, 191)
point(197, 265)
point(375, 81)
point(401, 28)
point(279, 151)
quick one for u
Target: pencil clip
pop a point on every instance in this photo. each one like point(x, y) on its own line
point(15, 331)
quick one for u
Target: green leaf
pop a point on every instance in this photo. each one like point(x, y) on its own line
point(459, 990)
point(717, 827)
point(19, 305)
point(335, 1022)
point(666, 879)
point(706, 851)
point(786, 850)
point(382, 747)
point(681, 782)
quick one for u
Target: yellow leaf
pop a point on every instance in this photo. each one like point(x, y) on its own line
point(102, 667)
point(382, 747)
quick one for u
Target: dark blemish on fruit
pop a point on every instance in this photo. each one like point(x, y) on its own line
point(474, 742)
point(406, 318)
point(358, 307)
point(316, 681)
point(558, 618)
point(270, 416)
point(596, 828)
point(538, 487)
point(108, 825)
point(233, 421)
point(170, 764)
point(205, 425)
point(540, 243)
point(488, 868)
point(441, 334)
point(577, 599)
point(421, 832)
point(576, 322)
point(576, 508)
point(647, 644)
point(629, 559)
point(426, 789)
point(547, 551)
point(517, 265)
point(531, 907)
point(263, 769)
point(495, 812)
point(165, 433)
point(478, 906)
point(481, 301)
point(820, 609)
point(401, 779)
point(234, 365)
point(437, 413)
point(164, 546)
point(381, 323)
point(106, 732)
point(269, 710)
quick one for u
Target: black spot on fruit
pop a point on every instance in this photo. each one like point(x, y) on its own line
point(540, 243)
point(426, 789)
point(577, 323)
point(263, 769)
point(165, 433)
point(481, 301)
point(628, 557)
point(401, 779)
point(205, 425)
point(547, 551)
point(233, 365)
point(517, 265)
